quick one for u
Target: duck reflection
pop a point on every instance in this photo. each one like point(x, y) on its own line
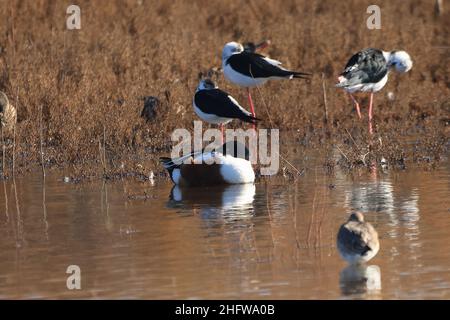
point(360, 279)
point(234, 200)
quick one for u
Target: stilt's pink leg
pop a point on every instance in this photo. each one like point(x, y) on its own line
point(223, 132)
point(370, 113)
point(373, 170)
point(252, 107)
point(356, 105)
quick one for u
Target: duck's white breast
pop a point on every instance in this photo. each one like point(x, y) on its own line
point(236, 170)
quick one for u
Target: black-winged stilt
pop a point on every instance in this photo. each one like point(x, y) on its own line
point(367, 71)
point(248, 69)
point(217, 107)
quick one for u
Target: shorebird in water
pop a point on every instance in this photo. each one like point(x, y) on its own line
point(367, 71)
point(357, 240)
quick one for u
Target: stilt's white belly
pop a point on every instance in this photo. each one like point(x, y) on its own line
point(368, 87)
point(210, 118)
point(240, 79)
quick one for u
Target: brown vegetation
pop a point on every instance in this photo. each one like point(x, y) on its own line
point(89, 83)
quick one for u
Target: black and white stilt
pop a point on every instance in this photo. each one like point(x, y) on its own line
point(247, 68)
point(367, 71)
point(215, 106)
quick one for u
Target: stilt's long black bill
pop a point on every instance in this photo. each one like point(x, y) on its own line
point(302, 75)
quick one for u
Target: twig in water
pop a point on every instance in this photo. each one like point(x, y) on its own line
point(41, 136)
point(290, 164)
point(342, 153)
point(325, 105)
point(6, 201)
point(3, 153)
point(352, 139)
point(102, 153)
point(44, 207)
point(104, 146)
point(14, 136)
point(19, 238)
point(270, 217)
point(14, 151)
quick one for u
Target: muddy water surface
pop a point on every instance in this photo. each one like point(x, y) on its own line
point(271, 240)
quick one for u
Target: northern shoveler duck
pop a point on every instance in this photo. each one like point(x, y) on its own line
point(8, 114)
point(357, 240)
point(367, 71)
point(217, 107)
point(247, 68)
point(228, 164)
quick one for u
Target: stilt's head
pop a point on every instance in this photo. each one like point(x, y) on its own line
point(356, 216)
point(400, 60)
point(206, 84)
point(231, 48)
point(3, 102)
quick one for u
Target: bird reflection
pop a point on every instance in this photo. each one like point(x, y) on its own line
point(236, 200)
point(360, 279)
point(374, 195)
point(221, 208)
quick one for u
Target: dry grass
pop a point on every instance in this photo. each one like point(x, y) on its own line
point(92, 79)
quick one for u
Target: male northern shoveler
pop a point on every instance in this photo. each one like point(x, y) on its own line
point(247, 68)
point(367, 71)
point(357, 240)
point(8, 114)
point(217, 107)
point(228, 164)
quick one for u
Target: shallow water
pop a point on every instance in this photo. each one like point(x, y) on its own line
point(272, 240)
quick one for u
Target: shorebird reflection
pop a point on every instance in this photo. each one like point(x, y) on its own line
point(360, 279)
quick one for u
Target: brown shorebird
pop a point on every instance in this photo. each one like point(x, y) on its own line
point(8, 114)
point(357, 240)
